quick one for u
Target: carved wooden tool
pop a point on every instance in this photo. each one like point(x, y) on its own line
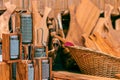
point(36, 20)
point(75, 31)
point(87, 15)
point(4, 18)
point(103, 34)
point(39, 25)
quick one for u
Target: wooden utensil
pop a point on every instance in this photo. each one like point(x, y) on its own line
point(75, 31)
point(4, 18)
point(115, 11)
point(40, 26)
point(36, 20)
point(87, 15)
point(59, 18)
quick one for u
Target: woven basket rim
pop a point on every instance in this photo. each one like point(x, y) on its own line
point(93, 51)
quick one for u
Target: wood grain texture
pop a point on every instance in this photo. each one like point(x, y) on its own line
point(75, 31)
point(4, 18)
point(40, 26)
point(88, 42)
point(64, 75)
point(22, 70)
point(117, 23)
point(36, 21)
point(5, 73)
point(115, 11)
point(87, 15)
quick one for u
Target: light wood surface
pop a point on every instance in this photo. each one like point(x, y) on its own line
point(87, 15)
point(64, 75)
point(75, 31)
point(4, 18)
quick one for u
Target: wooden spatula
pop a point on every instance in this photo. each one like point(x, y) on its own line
point(4, 18)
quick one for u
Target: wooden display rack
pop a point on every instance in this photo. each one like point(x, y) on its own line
point(6, 47)
point(40, 72)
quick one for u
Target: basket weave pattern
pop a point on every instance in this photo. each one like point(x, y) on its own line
point(95, 62)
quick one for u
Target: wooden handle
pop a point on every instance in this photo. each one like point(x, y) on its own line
point(108, 10)
point(36, 20)
point(115, 11)
point(44, 25)
point(102, 5)
point(60, 25)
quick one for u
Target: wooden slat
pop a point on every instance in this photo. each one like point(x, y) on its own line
point(62, 75)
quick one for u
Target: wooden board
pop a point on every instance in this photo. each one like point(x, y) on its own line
point(64, 75)
point(40, 27)
point(88, 42)
point(4, 18)
point(107, 47)
point(36, 21)
point(87, 15)
point(5, 73)
point(75, 31)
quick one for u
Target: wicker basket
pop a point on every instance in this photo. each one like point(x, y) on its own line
point(95, 62)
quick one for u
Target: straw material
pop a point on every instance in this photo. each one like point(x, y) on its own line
point(95, 62)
